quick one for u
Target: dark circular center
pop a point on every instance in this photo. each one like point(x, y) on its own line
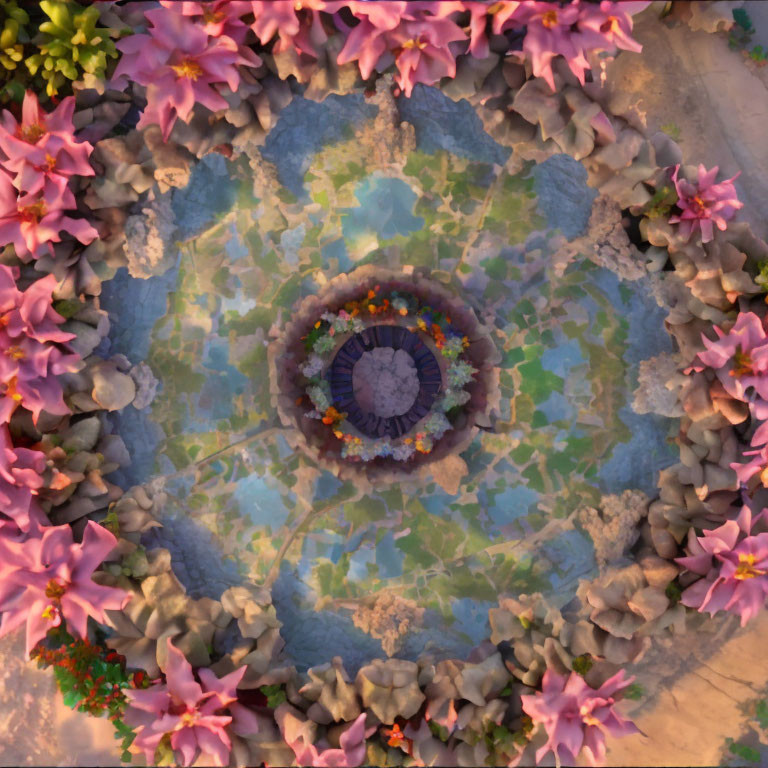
point(372, 407)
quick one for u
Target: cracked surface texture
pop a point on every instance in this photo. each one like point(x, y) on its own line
point(385, 382)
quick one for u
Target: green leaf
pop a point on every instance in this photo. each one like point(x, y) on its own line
point(743, 751)
point(582, 664)
point(673, 592)
point(634, 692)
point(15, 90)
point(275, 695)
point(761, 714)
point(741, 17)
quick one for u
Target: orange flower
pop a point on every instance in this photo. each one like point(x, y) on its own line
point(332, 416)
point(397, 738)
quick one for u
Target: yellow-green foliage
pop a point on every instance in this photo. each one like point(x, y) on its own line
point(13, 35)
point(70, 43)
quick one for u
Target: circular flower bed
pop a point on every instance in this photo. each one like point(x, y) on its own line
point(452, 356)
point(82, 182)
point(347, 392)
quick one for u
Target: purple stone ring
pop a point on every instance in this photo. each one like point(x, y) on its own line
point(340, 375)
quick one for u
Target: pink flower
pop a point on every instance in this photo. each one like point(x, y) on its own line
point(41, 152)
point(759, 464)
point(548, 35)
point(191, 712)
point(383, 16)
point(577, 717)
point(32, 225)
point(420, 43)
point(297, 24)
point(739, 357)
point(30, 313)
point(20, 478)
point(352, 744)
point(503, 15)
point(734, 564)
point(704, 203)
point(30, 361)
point(608, 26)
point(47, 577)
point(424, 55)
point(220, 18)
point(180, 64)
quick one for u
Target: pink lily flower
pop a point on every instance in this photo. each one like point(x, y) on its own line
point(759, 464)
point(220, 18)
point(704, 203)
point(30, 361)
point(423, 49)
point(20, 479)
point(739, 357)
point(577, 717)
point(297, 24)
point(503, 15)
point(47, 577)
point(608, 26)
point(181, 65)
point(420, 44)
point(549, 35)
point(351, 753)
point(192, 712)
point(32, 225)
point(758, 410)
point(41, 152)
point(383, 16)
point(734, 564)
point(30, 312)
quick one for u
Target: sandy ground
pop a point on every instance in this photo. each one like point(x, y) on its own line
point(696, 688)
point(694, 81)
point(35, 726)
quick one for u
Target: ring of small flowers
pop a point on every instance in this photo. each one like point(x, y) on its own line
point(322, 343)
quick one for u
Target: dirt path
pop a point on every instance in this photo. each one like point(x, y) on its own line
point(694, 82)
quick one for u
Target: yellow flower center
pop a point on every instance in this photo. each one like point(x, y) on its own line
point(495, 8)
point(611, 24)
point(420, 44)
point(698, 205)
point(549, 19)
point(188, 719)
point(49, 613)
point(213, 17)
point(746, 568)
point(54, 590)
point(742, 363)
point(50, 163)
point(15, 353)
point(31, 133)
point(10, 390)
point(33, 213)
point(188, 68)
